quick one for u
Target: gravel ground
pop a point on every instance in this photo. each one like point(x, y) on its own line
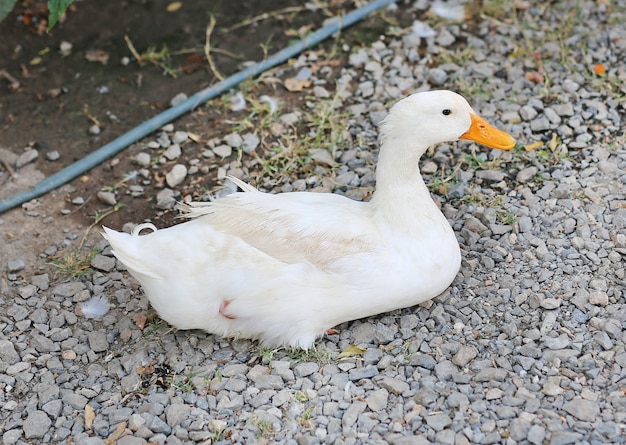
point(526, 346)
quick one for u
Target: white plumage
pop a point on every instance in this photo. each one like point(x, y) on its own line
point(285, 268)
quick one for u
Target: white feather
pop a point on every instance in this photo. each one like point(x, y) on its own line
point(96, 307)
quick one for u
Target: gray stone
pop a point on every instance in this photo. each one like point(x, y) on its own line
point(362, 373)
point(176, 175)
point(68, 289)
point(599, 298)
point(8, 354)
point(11, 437)
point(384, 334)
point(53, 408)
point(269, 381)
point(107, 198)
point(565, 437)
point(176, 413)
point(582, 409)
point(464, 355)
point(524, 224)
point(364, 333)
point(352, 413)
point(552, 387)
point(75, 400)
point(41, 281)
point(46, 392)
point(438, 421)
point(53, 155)
point(172, 152)
point(425, 396)
point(165, 199)
point(159, 426)
point(395, 386)
point(527, 113)
point(98, 341)
point(560, 342)
point(446, 370)
point(143, 159)
point(540, 124)
point(131, 440)
point(223, 151)
point(176, 100)
point(305, 369)
point(43, 344)
point(473, 224)
point(491, 175)
point(536, 434)
point(36, 425)
point(179, 137)
point(603, 339)
point(527, 174)
point(250, 142)
point(489, 374)
point(437, 76)
point(377, 400)
point(102, 262)
point(27, 157)
point(15, 265)
point(234, 140)
point(322, 156)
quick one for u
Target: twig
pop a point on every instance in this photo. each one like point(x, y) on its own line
point(132, 49)
point(14, 84)
point(91, 117)
point(265, 16)
point(324, 6)
point(207, 48)
point(80, 206)
point(9, 168)
point(97, 220)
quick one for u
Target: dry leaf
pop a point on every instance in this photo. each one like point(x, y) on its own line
point(126, 334)
point(140, 320)
point(145, 370)
point(90, 416)
point(292, 84)
point(599, 69)
point(174, 6)
point(193, 136)
point(54, 92)
point(350, 351)
point(97, 55)
point(554, 142)
point(534, 77)
point(192, 63)
point(533, 146)
point(116, 434)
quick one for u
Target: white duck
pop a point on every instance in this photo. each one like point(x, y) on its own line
point(286, 268)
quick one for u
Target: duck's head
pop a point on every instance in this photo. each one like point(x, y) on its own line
point(431, 117)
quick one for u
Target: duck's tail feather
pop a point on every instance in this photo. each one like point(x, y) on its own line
point(127, 249)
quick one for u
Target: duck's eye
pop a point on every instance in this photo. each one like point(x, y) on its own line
point(446, 112)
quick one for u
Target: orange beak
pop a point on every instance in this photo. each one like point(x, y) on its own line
point(484, 133)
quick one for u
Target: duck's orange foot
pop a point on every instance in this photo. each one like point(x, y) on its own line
point(332, 331)
point(222, 311)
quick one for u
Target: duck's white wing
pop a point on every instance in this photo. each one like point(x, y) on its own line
point(318, 228)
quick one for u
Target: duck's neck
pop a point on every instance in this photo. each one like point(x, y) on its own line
point(401, 197)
